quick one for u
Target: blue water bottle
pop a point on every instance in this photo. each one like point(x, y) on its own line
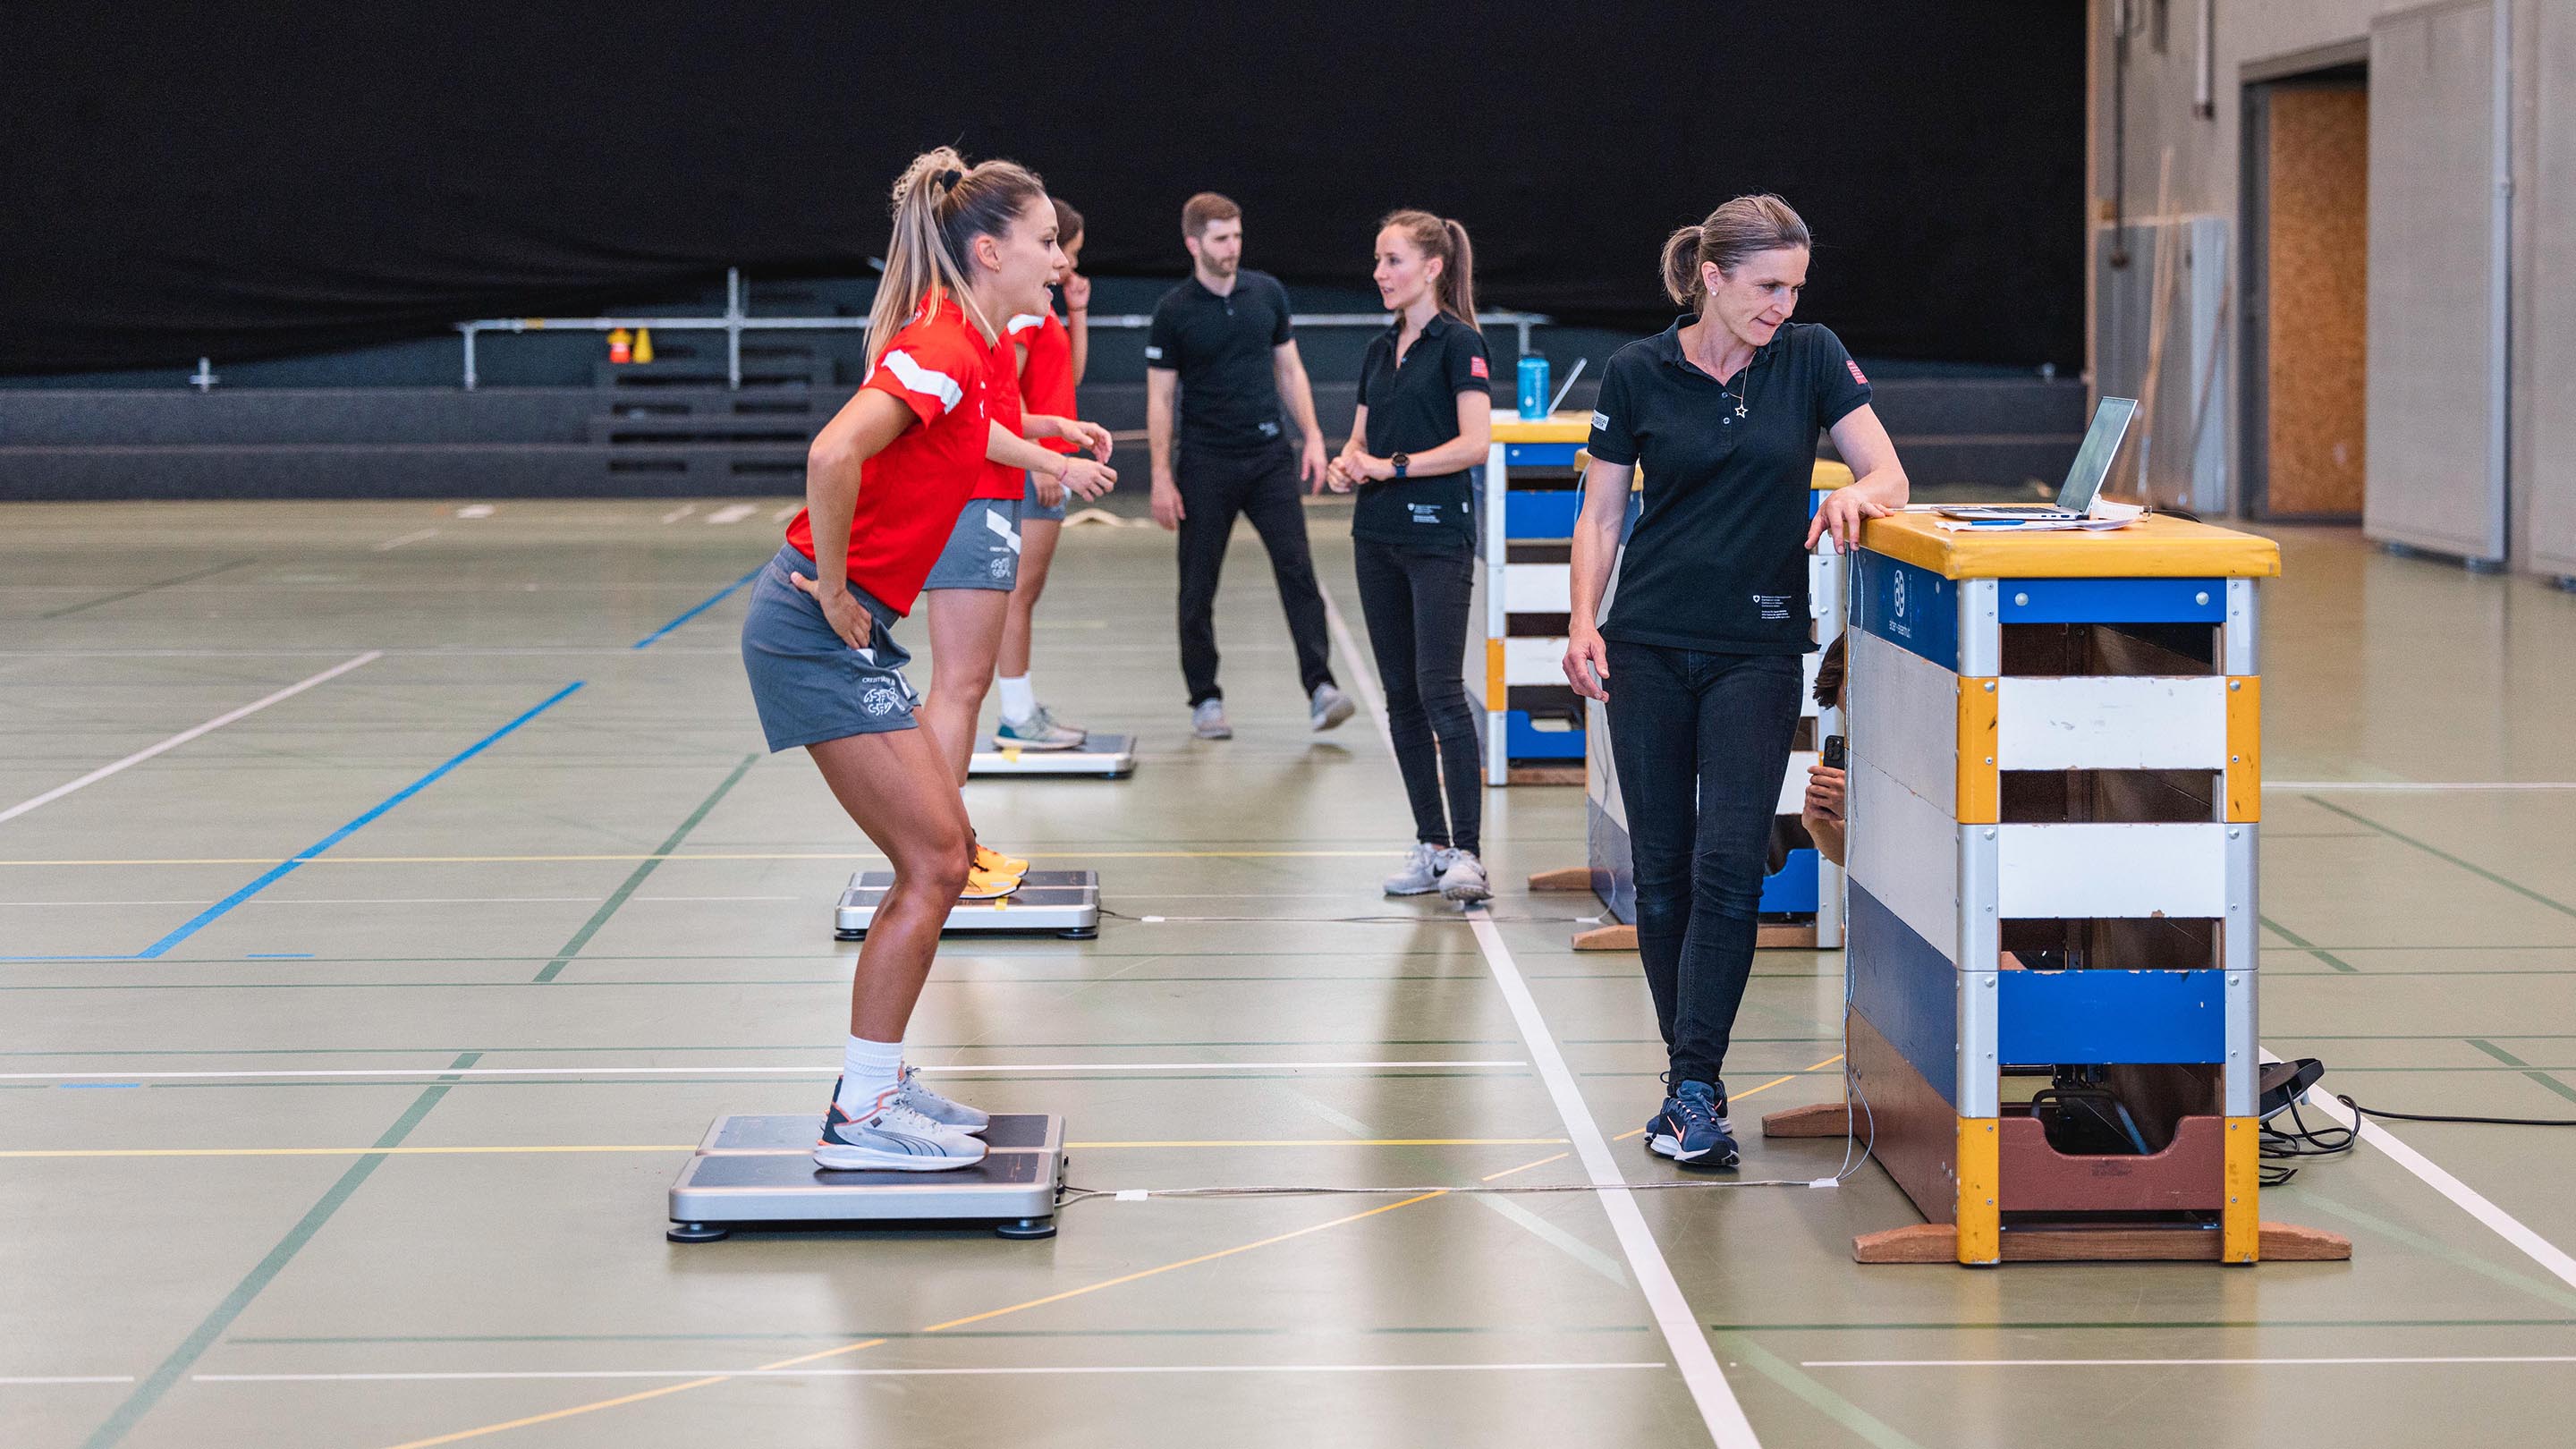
point(1534, 392)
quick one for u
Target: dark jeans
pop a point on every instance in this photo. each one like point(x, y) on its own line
point(1215, 489)
point(1701, 742)
point(1416, 604)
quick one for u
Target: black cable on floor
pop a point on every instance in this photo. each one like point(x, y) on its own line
point(2300, 1140)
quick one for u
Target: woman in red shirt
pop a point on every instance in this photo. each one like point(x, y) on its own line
point(885, 481)
point(1052, 354)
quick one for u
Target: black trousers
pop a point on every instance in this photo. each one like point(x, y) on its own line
point(1701, 741)
point(1216, 488)
point(1416, 604)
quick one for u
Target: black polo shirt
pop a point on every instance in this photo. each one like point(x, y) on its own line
point(1717, 560)
point(1412, 408)
point(1222, 347)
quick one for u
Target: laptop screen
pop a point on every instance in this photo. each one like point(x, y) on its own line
point(2093, 460)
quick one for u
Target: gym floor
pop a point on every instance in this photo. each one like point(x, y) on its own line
point(353, 1039)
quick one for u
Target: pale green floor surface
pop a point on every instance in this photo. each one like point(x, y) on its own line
point(2422, 942)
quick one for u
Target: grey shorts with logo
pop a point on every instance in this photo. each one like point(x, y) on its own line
point(983, 551)
point(807, 682)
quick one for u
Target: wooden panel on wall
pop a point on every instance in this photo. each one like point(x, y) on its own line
point(2318, 260)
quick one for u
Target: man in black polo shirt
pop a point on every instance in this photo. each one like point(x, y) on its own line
point(1221, 341)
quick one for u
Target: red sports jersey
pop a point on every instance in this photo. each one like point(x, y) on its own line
point(1046, 379)
point(911, 493)
point(1002, 389)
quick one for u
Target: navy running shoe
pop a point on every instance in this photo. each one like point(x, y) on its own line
point(1693, 1129)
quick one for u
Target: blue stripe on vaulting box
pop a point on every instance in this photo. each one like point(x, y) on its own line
point(2112, 1016)
point(2112, 601)
point(1911, 995)
point(1913, 608)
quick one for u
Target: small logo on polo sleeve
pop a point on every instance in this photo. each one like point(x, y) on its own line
point(1154, 354)
point(1856, 372)
point(1600, 420)
point(1476, 368)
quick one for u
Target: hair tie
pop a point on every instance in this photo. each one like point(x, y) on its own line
point(949, 178)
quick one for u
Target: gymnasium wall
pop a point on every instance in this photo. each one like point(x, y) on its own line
point(265, 180)
point(2207, 183)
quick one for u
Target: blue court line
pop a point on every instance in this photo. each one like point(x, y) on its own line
point(288, 866)
point(712, 600)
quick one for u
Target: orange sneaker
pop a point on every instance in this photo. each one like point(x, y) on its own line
point(985, 885)
point(992, 861)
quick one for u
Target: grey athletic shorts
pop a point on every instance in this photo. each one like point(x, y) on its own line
point(984, 549)
point(808, 684)
point(1032, 511)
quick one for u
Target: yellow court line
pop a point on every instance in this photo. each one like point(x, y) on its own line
point(692, 1147)
point(849, 1348)
point(618, 1402)
point(711, 855)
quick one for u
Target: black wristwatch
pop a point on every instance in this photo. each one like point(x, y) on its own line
point(1401, 461)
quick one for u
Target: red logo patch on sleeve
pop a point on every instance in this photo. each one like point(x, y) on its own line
point(1476, 365)
point(1855, 372)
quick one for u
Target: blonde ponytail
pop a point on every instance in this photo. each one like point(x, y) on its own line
point(940, 205)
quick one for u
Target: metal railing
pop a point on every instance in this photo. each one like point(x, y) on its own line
point(737, 320)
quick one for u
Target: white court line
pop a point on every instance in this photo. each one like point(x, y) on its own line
point(1718, 1409)
point(183, 736)
point(786, 513)
point(389, 545)
point(27, 1379)
point(2468, 1199)
point(733, 513)
point(477, 510)
point(676, 514)
point(2535, 1358)
point(951, 1069)
point(909, 1373)
point(2330, 787)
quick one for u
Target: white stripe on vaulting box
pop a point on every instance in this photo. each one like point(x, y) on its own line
point(1905, 851)
point(1538, 589)
point(2084, 722)
point(1532, 661)
point(2077, 872)
point(1905, 718)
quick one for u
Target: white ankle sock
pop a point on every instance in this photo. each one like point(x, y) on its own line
point(1019, 701)
point(869, 1070)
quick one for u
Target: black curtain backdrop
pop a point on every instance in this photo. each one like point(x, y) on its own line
point(261, 179)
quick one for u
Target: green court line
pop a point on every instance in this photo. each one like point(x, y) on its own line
point(2551, 1293)
point(2194, 1325)
point(2561, 907)
point(149, 1392)
point(2536, 1074)
point(147, 588)
point(2304, 944)
point(1832, 1405)
point(617, 897)
point(1246, 1074)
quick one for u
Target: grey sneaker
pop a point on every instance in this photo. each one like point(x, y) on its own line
point(1208, 721)
point(909, 1092)
point(1463, 879)
point(892, 1138)
point(1038, 732)
point(1422, 870)
point(1329, 707)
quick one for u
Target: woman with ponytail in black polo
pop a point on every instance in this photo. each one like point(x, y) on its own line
point(1700, 657)
point(1425, 419)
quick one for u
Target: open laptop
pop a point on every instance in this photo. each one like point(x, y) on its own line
point(2083, 480)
